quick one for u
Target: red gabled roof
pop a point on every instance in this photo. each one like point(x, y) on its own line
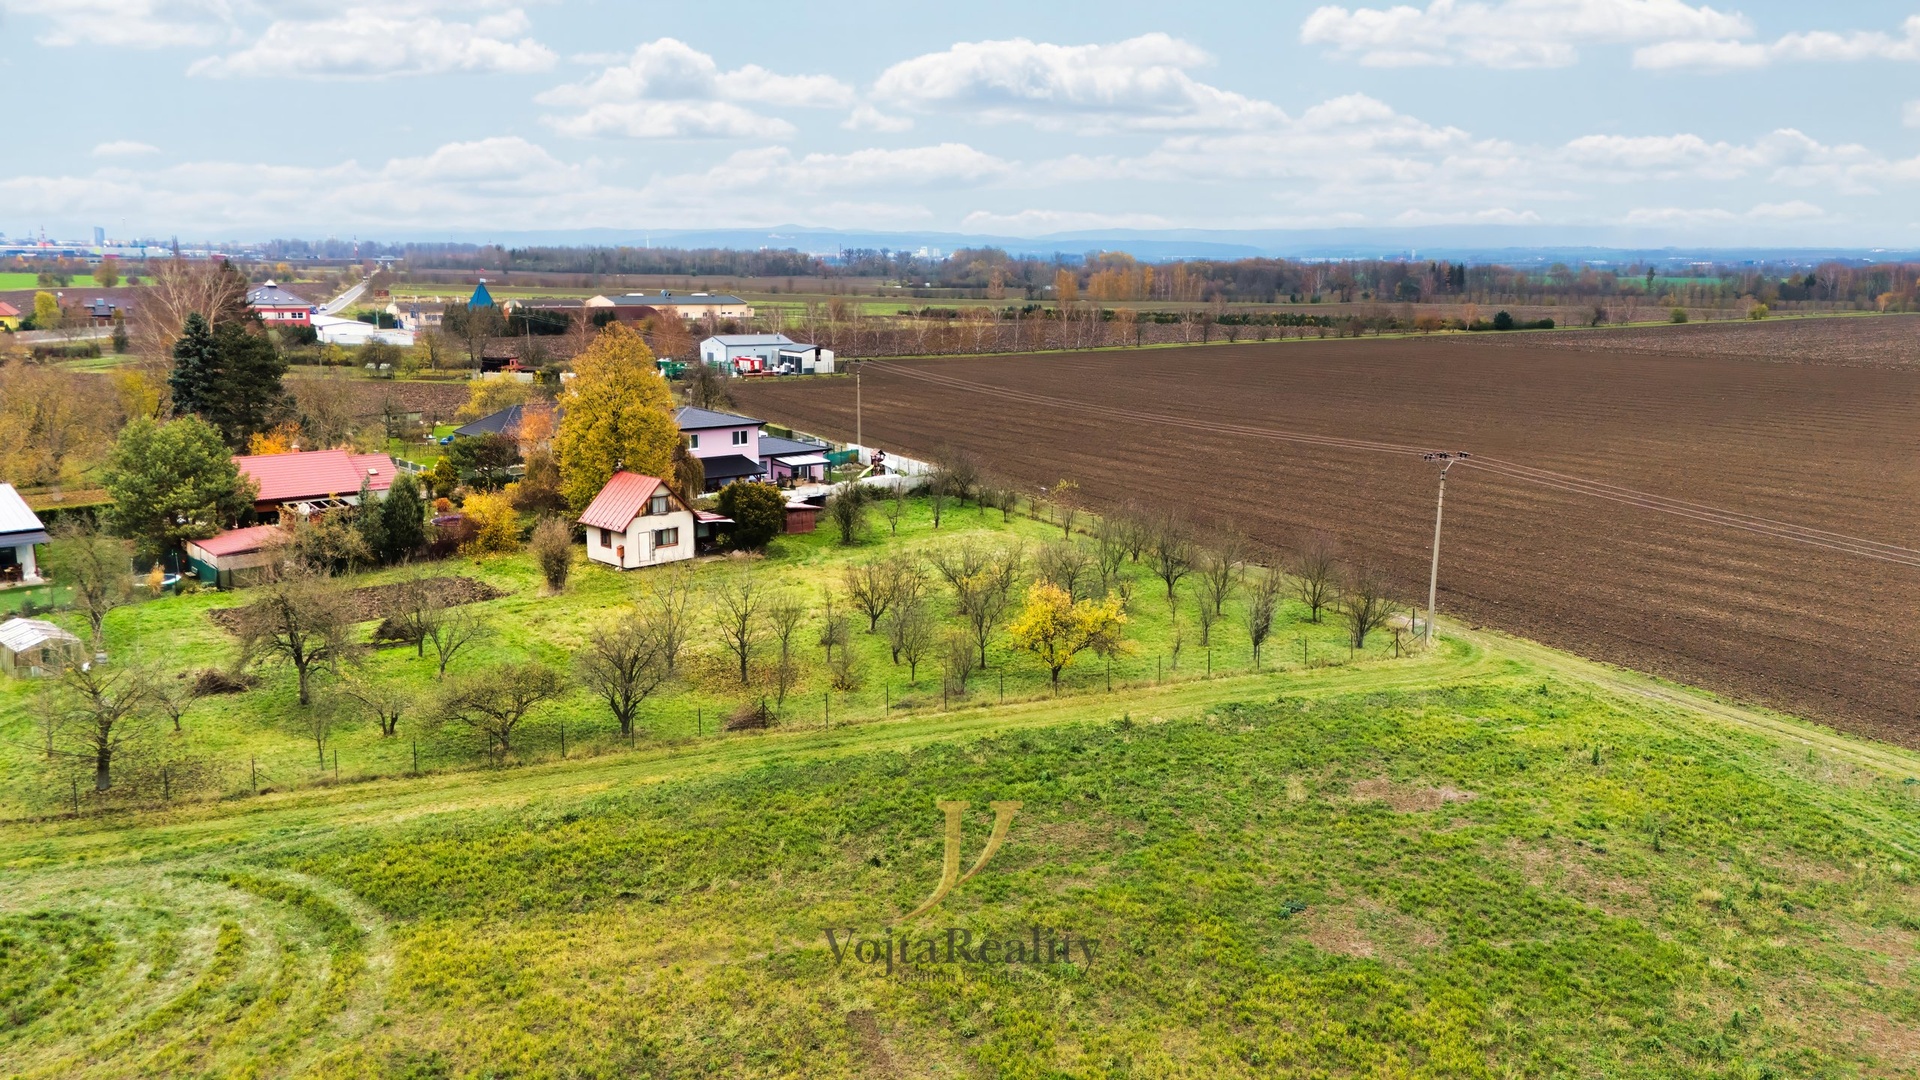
point(238, 541)
point(315, 474)
point(8, 311)
point(622, 500)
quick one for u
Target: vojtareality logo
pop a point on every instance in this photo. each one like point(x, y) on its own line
point(950, 861)
point(956, 945)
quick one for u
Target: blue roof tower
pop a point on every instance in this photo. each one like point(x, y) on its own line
point(481, 297)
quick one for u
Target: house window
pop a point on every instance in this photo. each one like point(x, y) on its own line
point(739, 438)
point(693, 441)
point(606, 537)
point(666, 538)
point(657, 505)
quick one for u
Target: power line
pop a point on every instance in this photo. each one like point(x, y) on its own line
point(1597, 489)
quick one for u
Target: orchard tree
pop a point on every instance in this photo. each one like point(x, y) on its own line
point(1056, 629)
point(97, 568)
point(616, 413)
point(172, 482)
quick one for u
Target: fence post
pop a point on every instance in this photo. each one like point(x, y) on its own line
point(1303, 650)
point(886, 699)
point(1156, 671)
point(698, 730)
point(253, 770)
point(76, 798)
point(166, 784)
point(563, 740)
point(826, 706)
point(336, 766)
point(1003, 688)
point(416, 755)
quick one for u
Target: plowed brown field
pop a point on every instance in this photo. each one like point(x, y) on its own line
point(1829, 634)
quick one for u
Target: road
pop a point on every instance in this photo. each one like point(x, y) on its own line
point(345, 299)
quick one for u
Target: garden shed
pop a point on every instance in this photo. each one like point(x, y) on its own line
point(34, 647)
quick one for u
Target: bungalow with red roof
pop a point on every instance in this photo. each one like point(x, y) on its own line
point(9, 316)
point(637, 521)
point(313, 481)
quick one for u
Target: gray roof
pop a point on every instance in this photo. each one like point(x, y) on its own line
point(692, 419)
point(18, 524)
point(750, 340)
point(731, 467)
point(271, 295)
point(19, 635)
point(775, 446)
point(500, 423)
point(661, 299)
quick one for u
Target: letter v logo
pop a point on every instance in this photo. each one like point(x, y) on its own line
point(950, 864)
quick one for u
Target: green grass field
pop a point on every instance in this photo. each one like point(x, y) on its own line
point(1485, 859)
point(20, 280)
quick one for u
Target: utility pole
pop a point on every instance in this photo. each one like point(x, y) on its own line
point(859, 432)
point(1446, 460)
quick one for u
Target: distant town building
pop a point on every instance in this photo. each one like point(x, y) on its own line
point(633, 307)
point(278, 307)
point(481, 298)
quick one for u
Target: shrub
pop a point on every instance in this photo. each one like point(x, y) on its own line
point(1758, 312)
point(1503, 321)
point(751, 716)
point(1679, 315)
point(496, 525)
point(758, 511)
point(552, 546)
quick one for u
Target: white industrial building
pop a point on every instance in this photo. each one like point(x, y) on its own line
point(765, 354)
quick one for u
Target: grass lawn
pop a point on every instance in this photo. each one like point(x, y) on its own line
point(21, 280)
point(1486, 859)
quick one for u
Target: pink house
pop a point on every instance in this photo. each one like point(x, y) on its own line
point(728, 445)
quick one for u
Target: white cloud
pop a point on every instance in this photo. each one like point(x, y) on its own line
point(139, 24)
point(669, 89)
point(672, 120)
point(1760, 214)
point(124, 148)
point(1509, 33)
point(867, 118)
point(1138, 84)
point(374, 43)
point(1042, 222)
point(1815, 46)
point(777, 168)
point(1785, 156)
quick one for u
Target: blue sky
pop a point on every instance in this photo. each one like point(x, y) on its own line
point(1762, 123)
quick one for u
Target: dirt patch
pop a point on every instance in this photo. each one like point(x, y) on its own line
point(374, 601)
point(1364, 929)
point(1564, 868)
point(1406, 798)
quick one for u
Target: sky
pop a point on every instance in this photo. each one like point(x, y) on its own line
point(1751, 123)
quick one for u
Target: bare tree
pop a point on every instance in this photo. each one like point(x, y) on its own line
point(939, 486)
point(106, 708)
point(669, 594)
point(956, 650)
point(623, 664)
point(1219, 566)
point(910, 632)
point(784, 616)
point(1316, 573)
point(1363, 603)
point(175, 698)
point(959, 562)
point(834, 630)
point(99, 569)
point(1171, 549)
point(1066, 565)
point(1205, 615)
point(495, 700)
point(984, 596)
point(1109, 551)
point(1136, 531)
point(961, 470)
point(302, 619)
point(892, 507)
point(386, 703)
point(452, 629)
point(1263, 602)
point(875, 585)
point(736, 614)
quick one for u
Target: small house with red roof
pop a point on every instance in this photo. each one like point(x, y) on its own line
point(9, 316)
point(314, 481)
point(637, 521)
point(220, 560)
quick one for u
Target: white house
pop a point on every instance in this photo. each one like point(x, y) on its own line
point(636, 521)
point(20, 529)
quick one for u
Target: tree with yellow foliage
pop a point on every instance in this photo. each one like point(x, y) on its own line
point(616, 413)
point(488, 396)
point(496, 524)
point(1056, 629)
